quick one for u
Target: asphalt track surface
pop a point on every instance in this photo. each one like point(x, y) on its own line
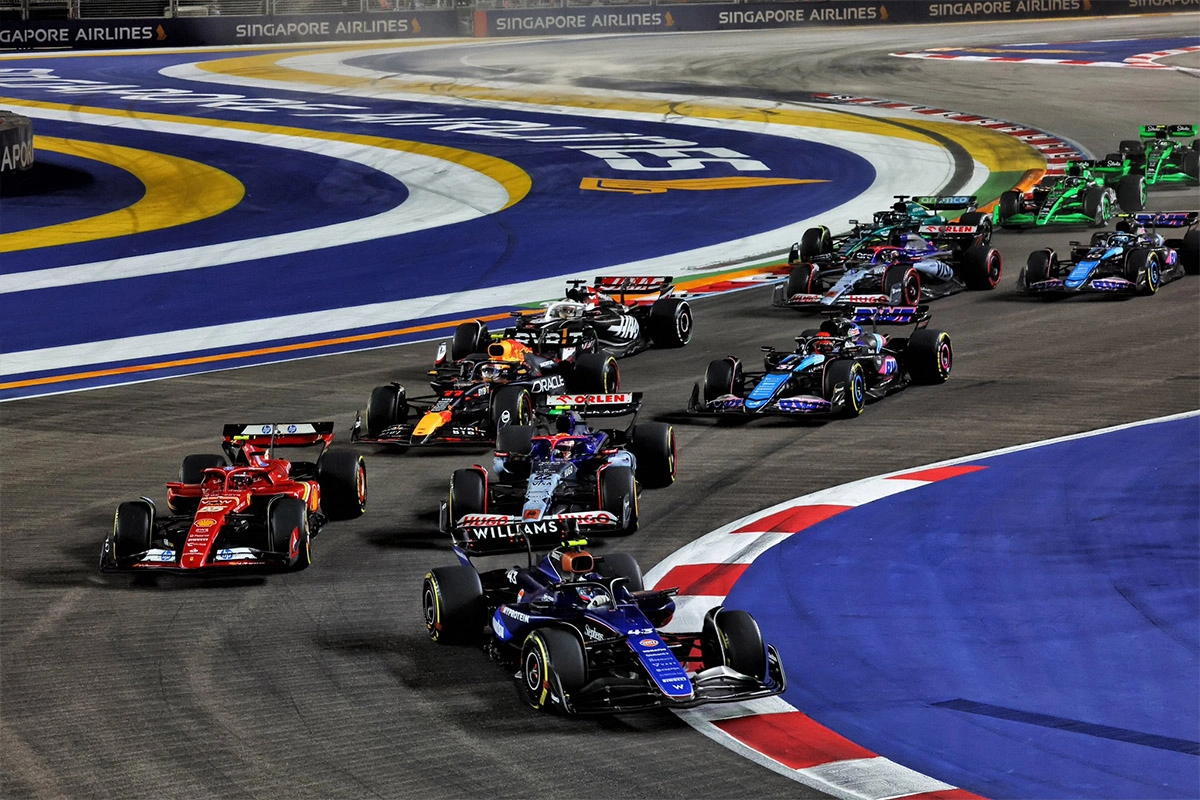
point(323, 684)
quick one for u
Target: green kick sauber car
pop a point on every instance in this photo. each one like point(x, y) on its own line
point(1081, 196)
point(1162, 154)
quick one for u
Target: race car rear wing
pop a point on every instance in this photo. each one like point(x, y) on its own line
point(884, 315)
point(629, 284)
point(594, 405)
point(1163, 131)
point(278, 434)
point(947, 202)
point(1163, 219)
point(498, 534)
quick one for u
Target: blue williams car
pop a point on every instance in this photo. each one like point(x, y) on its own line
point(834, 370)
point(1133, 259)
point(583, 633)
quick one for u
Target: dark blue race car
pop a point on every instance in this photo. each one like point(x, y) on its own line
point(582, 631)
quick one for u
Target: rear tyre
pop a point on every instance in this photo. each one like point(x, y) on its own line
point(469, 338)
point(929, 356)
point(596, 373)
point(132, 529)
point(516, 440)
point(1190, 164)
point(731, 637)
point(1009, 205)
point(1042, 265)
point(1131, 193)
point(982, 267)
point(453, 604)
point(980, 220)
point(671, 322)
point(342, 477)
point(622, 565)
point(618, 496)
point(288, 532)
point(849, 374)
point(653, 445)
point(724, 377)
point(902, 284)
point(815, 242)
point(803, 279)
point(386, 407)
point(547, 651)
point(1097, 205)
point(468, 493)
point(512, 405)
point(1141, 263)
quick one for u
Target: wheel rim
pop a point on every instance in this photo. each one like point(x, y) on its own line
point(945, 357)
point(683, 325)
point(429, 601)
point(534, 670)
point(994, 270)
point(858, 389)
point(1152, 275)
point(360, 483)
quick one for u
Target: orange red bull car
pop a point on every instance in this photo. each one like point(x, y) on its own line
point(245, 509)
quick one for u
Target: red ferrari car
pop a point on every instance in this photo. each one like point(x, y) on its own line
point(246, 509)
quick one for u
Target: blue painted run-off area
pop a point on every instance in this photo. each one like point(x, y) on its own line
point(1028, 630)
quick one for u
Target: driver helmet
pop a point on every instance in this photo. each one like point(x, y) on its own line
point(823, 343)
point(509, 350)
point(241, 480)
point(887, 255)
point(564, 311)
point(563, 450)
point(489, 372)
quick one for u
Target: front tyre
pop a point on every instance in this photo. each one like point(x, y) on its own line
point(1042, 265)
point(1131, 192)
point(1097, 204)
point(982, 267)
point(815, 242)
point(618, 496)
point(732, 638)
point(132, 529)
point(671, 322)
point(723, 378)
point(512, 405)
point(386, 407)
point(342, 477)
point(929, 356)
point(653, 445)
point(469, 338)
point(596, 373)
point(803, 279)
point(453, 604)
point(468, 493)
point(551, 652)
point(288, 532)
point(1144, 271)
point(847, 374)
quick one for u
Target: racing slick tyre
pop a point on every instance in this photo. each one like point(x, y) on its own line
point(193, 466)
point(622, 565)
point(980, 220)
point(386, 407)
point(342, 476)
point(848, 373)
point(902, 284)
point(1131, 193)
point(1190, 164)
point(1144, 262)
point(468, 493)
point(653, 445)
point(671, 322)
point(1189, 253)
point(929, 356)
point(1009, 205)
point(1042, 265)
point(469, 338)
point(724, 377)
point(452, 600)
point(546, 651)
point(732, 638)
point(192, 472)
point(512, 405)
point(1098, 205)
point(132, 528)
point(516, 440)
point(815, 242)
point(803, 279)
point(982, 266)
point(288, 532)
point(596, 373)
point(618, 496)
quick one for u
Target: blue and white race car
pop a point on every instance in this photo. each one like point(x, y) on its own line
point(569, 472)
point(582, 631)
point(834, 370)
point(1133, 259)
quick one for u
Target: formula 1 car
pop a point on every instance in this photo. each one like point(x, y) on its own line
point(621, 315)
point(1080, 196)
point(242, 511)
point(833, 371)
point(917, 270)
point(1130, 260)
point(907, 215)
point(477, 395)
point(572, 472)
point(583, 633)
point(1161, 157)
